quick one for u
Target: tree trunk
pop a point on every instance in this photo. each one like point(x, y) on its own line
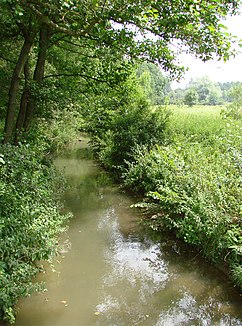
point(23, 104)
point(45, 36)
point(14, 87)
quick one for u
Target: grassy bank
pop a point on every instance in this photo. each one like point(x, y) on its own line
point(191, 182)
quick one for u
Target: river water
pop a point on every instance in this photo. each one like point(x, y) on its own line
point(112, 273)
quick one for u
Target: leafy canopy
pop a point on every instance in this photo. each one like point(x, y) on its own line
point(141, 29)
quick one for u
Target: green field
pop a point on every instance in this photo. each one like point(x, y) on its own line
point(200, 120)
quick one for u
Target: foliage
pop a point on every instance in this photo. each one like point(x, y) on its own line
point(176, 96)
point(191, 97)
point(203, 91)
point(198, 123)
point(196, 191)
point(155, 86)
point(209, 92)
point(135, 127)
point(89, 37)
point(52, 134)
point(191, 180)
point(31, 217)
point(53, 55)
point(234, 109)
point(30, 221)
point(132, 125)
point(199, 24)
point(226, 88)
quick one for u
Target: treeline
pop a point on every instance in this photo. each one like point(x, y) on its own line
point(199, 91)
point(203, 91)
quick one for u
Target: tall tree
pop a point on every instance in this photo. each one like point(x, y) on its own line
point(191, 97)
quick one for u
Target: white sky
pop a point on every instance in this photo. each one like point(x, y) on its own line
point(217, 71)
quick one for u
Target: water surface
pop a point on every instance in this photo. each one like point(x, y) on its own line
point(111, 272)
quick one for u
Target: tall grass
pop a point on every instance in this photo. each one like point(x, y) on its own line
point(197, 120)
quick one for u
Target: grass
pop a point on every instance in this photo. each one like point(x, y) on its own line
point(201, 123)
point(202, 120)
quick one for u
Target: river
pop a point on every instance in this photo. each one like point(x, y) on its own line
point(113, 273)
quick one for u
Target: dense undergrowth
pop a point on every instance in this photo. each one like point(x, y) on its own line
point(190, 177)
point(31, 213)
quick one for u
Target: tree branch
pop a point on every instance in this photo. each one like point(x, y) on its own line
point(79, 75)
point(78, 45)
point(44, 18)
point(77, 52)
point(8, 60)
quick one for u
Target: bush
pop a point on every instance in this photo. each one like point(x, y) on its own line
point(54, 133)
point(195, 191)
point(189, 167)
point(234, 110)
point(131, 128)
point(30, 221)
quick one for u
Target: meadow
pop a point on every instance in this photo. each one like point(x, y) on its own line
point(203, 121)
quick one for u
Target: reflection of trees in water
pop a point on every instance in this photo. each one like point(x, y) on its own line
point(88, 193)
point(187, 311)
point(160, 275)
point(134, 264)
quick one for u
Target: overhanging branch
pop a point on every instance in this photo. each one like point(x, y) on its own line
point(6, 59)
point(45, 19)
point(79, 75)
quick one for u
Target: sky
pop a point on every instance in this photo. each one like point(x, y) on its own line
point(217, 71)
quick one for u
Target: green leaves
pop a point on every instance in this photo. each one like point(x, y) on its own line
point(195, 24)
point(30, 222)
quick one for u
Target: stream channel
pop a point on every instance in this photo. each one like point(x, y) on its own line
point(114, 273)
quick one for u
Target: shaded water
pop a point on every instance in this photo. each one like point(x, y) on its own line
point(115, 274)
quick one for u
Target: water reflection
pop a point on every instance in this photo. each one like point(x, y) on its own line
point(155, 290)
point(117, 275)
point(187, 311)
point(131, 261)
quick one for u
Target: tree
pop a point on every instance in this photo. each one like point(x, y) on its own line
point(209, 92)
point(142, 30)
point(191, 97)
point(234, 109)
point(153, 82)
point(177, 96)
point(226, 90)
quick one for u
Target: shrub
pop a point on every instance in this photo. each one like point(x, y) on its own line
point(195, 191)
point(189, 167)
point(132, 127)
point(30, 221)
point(56, 132)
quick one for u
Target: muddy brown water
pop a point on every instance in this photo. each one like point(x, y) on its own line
point(112, 273)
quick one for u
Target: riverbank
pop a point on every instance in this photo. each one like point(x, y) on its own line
point(31, 212)
point(190, 180)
